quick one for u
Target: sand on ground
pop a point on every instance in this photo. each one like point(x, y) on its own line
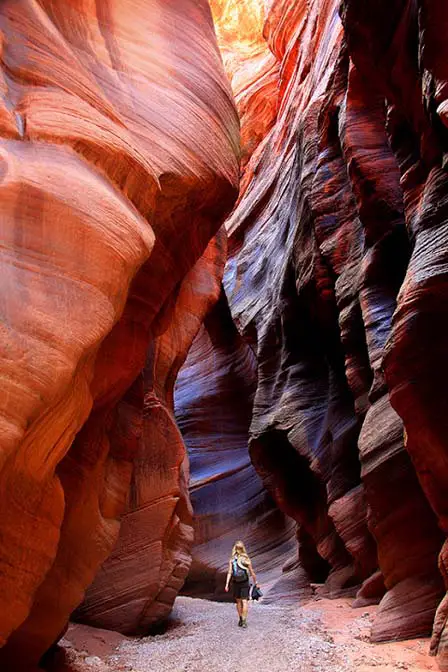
point(203, 636)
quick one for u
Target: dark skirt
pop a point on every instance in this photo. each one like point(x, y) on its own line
point(240, 591)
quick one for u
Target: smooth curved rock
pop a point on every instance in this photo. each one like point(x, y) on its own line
point(251, 68)
point(138, 583)
point(118, 158)
point(213, 403)
point(302, 405)
point(319, 248)
point(119, 148)
point(415, 361)
point(415, 346)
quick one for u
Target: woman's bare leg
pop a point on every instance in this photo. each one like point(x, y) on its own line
point(244, 609)
point(239, 607)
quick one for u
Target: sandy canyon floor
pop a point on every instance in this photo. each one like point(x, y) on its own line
point(204, 637)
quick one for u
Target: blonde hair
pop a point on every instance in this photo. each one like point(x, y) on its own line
point(239, 551)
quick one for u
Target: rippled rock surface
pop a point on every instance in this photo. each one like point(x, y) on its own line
point(336, 236)
point(118, 147)
point(324, 355)
point(136, 586)
point(213, 404)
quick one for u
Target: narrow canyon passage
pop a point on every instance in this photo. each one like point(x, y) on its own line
point(223, 315)
point(201, 636)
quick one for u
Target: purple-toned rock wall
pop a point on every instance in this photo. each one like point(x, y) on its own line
point(335, 279)
point(213, 405)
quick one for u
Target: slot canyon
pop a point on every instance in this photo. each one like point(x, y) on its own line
point(224, 247)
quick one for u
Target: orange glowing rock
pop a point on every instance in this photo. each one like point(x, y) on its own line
point(119, 144)
point(250, 65)
point(239, 25)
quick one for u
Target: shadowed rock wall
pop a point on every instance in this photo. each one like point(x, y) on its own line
point(138, 583)
point(213, 404)
point(337, 232)
point(119, 162)
point(404, 50)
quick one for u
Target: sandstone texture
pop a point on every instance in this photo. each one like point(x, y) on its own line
point(170, 384)
point(213, 406)
point(335, 280)
point(251, 68)
point(119, 146)
point(136, 586)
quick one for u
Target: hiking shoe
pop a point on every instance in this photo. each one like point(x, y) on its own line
point(240, 622)
point(244, 624)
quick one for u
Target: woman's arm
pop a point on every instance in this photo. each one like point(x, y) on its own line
point(252, 573)
point(229, 574)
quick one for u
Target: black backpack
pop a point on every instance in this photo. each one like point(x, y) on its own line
point(238, 573)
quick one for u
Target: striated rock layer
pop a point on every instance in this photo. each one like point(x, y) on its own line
point(336, 258)
point(324, 354)
point(118, 145)
point(414, 82)
point(213, 405)
point(138, 583)
point(251, 68)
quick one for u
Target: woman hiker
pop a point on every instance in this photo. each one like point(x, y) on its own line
point(240, 567)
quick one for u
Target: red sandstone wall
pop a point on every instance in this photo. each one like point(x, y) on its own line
point(138, 583)
point(119, 145)
point(213, 406)
point(119, 164)
point(337, 258)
